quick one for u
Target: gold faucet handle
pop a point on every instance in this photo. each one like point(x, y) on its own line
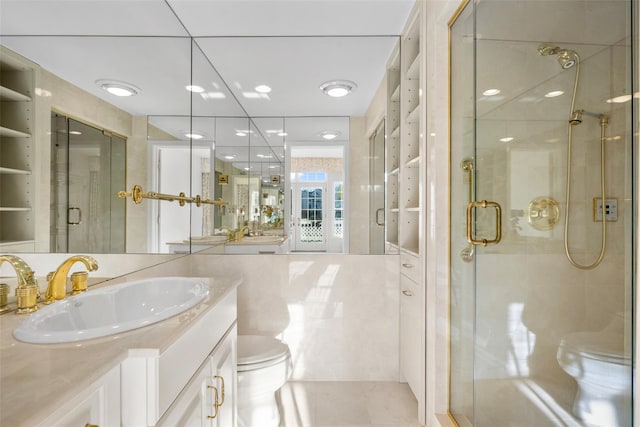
point(79, 282)
point(4, 292)
point(27, 298)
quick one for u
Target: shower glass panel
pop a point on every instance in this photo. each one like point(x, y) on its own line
point(88, 169)
point(541, 331)
point(376, 191)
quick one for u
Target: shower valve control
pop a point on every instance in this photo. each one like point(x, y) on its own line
point(610, 209)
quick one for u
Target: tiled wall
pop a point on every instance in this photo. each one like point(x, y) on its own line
point(338, 313)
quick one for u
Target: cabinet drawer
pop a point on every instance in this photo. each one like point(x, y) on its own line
point(411, 266)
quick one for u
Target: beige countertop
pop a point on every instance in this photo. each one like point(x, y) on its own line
point(35, 377)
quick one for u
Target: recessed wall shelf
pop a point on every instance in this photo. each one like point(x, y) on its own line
point(414, 115)
point(8, 94)
point(392, 151)
point(413, 73)
point(10, 171)
point(17, 123)
point(12, 133)
point(7, 209)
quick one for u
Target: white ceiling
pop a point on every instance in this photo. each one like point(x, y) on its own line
point(293, 66)
point(291, 45)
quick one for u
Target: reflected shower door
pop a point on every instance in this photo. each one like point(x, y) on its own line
point(536, 341)
point(88, 169)
point(376, 191)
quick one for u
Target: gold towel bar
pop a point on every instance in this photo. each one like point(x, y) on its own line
point(137, 195)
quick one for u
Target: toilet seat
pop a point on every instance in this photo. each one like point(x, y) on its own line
point(257, 352)
point(601, 346)
point(601, 354)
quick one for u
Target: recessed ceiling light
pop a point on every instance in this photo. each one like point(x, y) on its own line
point(262, 89)
point(619, 99)
point(491, 92)
point(338, 88)
point(194, 88)
point(194, 135)
point(553, 93)
point(264, 156)
point(229, 157)
point(282, 134)
point(329, 134)
point(241, 134)
point(507, 139)
point(213, 95)
point(118, 88)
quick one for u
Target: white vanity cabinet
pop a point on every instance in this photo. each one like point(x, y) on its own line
point(177, 385)
point(144, 377)
point(98, 405)
point(210, 397)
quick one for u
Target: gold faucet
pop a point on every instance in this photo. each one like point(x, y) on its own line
point(240, 232)
point(57, 288)
point(27, 291)
point(230, 233)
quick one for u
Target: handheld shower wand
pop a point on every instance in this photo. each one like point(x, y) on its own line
point(567, 59)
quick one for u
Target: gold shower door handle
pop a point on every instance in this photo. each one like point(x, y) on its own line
point(216, 403)
point(470, 229)
point(218, 377)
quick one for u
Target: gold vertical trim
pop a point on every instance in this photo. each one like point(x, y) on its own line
point(452, 21)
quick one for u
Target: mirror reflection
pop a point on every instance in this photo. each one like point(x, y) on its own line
point(283, 162)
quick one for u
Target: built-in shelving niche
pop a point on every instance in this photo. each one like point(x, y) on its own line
point(392, 151)
point(16, 152)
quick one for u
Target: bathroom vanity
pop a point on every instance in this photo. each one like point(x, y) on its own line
point(168, 373)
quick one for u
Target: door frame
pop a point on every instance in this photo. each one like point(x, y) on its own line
point(297, 244)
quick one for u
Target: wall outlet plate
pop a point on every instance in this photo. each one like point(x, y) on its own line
point(610, 209)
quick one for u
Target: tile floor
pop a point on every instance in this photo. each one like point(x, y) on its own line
point(347, 404)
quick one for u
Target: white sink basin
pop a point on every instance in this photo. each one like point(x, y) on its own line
point(112, 310)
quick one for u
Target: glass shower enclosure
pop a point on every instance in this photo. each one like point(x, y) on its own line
point(543, 100)
point(88, 168)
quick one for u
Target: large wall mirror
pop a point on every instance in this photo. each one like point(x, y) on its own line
point(283, 161)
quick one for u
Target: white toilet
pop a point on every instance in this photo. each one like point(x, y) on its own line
point(601, 365)
point(264, 365)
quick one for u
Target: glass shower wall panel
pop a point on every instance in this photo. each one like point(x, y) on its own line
point(531, 302)
point(552, 337)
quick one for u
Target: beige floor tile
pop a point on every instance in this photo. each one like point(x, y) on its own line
point(347, 404)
